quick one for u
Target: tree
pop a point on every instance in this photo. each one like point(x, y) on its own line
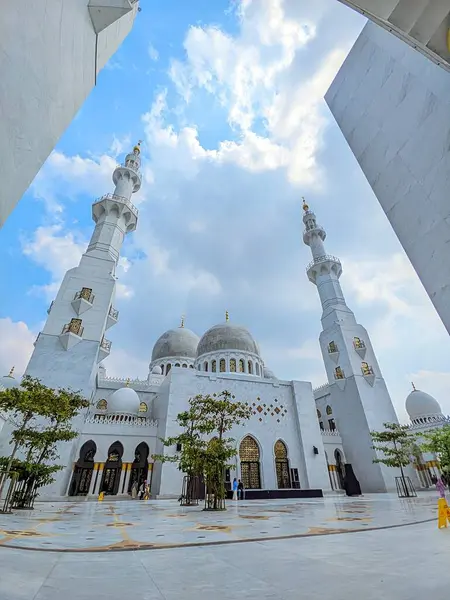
point(42, 417)
point(437, 441)
point(396, 445)
point(208, 416)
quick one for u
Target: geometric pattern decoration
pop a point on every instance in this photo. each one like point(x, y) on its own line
point(261, 409)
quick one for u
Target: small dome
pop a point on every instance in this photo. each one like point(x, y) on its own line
point(227, 337)
point(419, 404)
point(180, 342)
point(268, 374)
point(157, 370)
point(124, 400)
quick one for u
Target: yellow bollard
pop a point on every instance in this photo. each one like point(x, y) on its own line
point(101, 496)
point(443, 513)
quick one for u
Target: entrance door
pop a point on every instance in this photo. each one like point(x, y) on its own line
point(84, 468)
point(250, 468)
point(282, 465)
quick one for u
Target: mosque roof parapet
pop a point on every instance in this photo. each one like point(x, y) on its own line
point(139, 385)
point(330, 433)
point(123, 419)
point(429, 422)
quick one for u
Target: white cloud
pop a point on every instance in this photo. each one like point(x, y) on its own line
point(16, 346)
point(153, 53)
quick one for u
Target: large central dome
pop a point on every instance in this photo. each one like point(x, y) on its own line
point(227, 337)
point(180, 342)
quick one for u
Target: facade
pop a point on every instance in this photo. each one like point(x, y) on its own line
point(422, 24)
point(297, 441)
point(51, 53)
point(392, 106)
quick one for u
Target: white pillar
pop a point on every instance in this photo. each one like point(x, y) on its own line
point(122, 477)
point(101, 466)
point(94, 476)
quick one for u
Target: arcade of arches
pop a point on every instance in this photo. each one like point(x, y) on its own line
point(113, 477)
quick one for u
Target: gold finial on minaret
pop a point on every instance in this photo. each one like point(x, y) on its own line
point(182, 321)
point(227, 316)
point(11, 372)
point(127, 383)
point(137, 148)
point(413, 386)
point(305, 206)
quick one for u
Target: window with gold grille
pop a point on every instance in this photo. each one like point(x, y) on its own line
point(102, 404)
point(282, 465)
point(241, 366)
point(329, 410)
point(213, 366)
point(222, 365)
point(143, 407)
point(250, 468)
point(233, 365)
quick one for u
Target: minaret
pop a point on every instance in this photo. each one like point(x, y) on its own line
point(72, 342)
point(359, 396)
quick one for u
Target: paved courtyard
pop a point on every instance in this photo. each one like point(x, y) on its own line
point(369, 547)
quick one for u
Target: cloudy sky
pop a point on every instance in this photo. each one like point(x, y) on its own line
point(228, 99)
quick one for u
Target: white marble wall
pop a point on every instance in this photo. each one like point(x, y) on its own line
point(393, 105)
point(296, 424)
point(48, 67)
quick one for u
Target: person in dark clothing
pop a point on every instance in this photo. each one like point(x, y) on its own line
point(351, 484)
point(240, 490)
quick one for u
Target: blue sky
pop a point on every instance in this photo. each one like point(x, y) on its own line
point(228, 99)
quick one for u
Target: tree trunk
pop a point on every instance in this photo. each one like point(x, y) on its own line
point(13, 454)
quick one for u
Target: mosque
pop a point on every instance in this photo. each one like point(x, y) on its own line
point(298, 441)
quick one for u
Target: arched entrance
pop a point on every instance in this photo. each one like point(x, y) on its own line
point(250, 469)
point(112, 470)
point(340, 468)
point(84, 468)
point(139, 468)
point(282, 465)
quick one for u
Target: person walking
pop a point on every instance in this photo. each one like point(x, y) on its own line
point(440, 487)
point(240, 490)
point(141, 490)
point(235, 489)
point(146, 491)
point(134, 490)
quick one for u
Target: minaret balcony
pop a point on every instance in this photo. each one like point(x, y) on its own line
point(121, 206)
point(71, 334)
point(105, 349)
point(323, 265)
point(359, 346)
point(113, 317)
point(368, 373)
point(83, 300)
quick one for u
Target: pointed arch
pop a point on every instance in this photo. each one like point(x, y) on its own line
point(139, 468)
point(241, 365)
point(83, 470)
point(249, 455)
point(329, 410)
point(282, 465)
point(112, 470)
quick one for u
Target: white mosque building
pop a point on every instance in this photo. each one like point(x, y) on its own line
point(297, 441)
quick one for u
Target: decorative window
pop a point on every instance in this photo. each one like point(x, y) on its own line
point(184, 366)
point(143, 407)
point(257, 368)
point(86, 293)
point(339, 373)
point(329, 410)
point(319, 414)
point(222, 365)
point(250, 367)
point(280, 450)
point(177, 364)
point(232, 365)
point(358, 343)
point(213, 366)
point(241, 366)
point(205, 366)
point(169, 366)
point(74, 327)
point(102, 404)
point(332, 347)
point(366, 369)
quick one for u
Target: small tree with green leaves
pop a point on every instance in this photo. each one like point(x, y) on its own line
point(42, 416)
point(396, 443)
point(437, 441)
point(208, 416)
